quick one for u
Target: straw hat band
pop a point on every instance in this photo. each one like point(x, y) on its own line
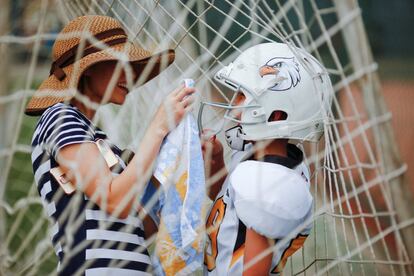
point(69, 56)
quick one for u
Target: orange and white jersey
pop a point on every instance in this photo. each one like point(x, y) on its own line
point(271, 197)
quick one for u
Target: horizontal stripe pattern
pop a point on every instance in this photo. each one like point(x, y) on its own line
point(103, 253)
point(110, 263)
point(114, 272)
point(50, 208)
point(54, 230)
point(101, 215)
point(41, 170)
point(97, 234)
point(47, 188)
point(36, 152)
point(114, 226)
point(114, 246)
point(58, 248)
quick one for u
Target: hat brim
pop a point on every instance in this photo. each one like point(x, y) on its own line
point(52, 90)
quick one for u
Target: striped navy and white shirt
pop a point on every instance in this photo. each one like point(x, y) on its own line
point(86, 239)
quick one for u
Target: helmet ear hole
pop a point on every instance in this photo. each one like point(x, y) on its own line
point(277, 115)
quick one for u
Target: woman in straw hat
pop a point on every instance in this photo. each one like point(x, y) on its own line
point(88, 190)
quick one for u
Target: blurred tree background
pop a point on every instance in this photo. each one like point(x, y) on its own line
point(389, 26)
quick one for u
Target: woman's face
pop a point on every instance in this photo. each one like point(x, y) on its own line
point(98, 78)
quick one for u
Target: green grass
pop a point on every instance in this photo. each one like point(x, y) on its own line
point(28, 226)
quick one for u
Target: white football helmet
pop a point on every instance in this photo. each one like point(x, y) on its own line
point(276, 77)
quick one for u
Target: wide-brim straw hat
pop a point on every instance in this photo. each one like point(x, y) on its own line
point(84, 42)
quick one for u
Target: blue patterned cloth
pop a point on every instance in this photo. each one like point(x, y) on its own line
point(179, 209)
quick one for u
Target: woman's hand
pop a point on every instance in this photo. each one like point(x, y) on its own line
point(173, 109)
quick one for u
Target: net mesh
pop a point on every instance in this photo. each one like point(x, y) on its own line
point(357, 223)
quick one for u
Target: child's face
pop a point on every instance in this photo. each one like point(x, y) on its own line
point(238, 101)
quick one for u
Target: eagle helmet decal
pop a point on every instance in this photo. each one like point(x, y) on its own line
point(286, 71)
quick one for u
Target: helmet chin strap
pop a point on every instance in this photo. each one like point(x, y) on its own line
point(234, 139)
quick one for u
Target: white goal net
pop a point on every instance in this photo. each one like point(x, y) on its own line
point(362, 213)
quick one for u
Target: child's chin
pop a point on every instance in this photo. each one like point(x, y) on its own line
point(119, 98)
point(119, 102)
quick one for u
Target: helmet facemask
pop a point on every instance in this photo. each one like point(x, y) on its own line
point(233, 113)
point(296, 85)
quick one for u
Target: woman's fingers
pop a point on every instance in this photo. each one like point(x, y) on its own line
point(178, 103)
point(177, 90)
point(187, 101)
point(185, 91)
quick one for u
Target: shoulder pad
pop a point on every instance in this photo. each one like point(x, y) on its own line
point(271, 199)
